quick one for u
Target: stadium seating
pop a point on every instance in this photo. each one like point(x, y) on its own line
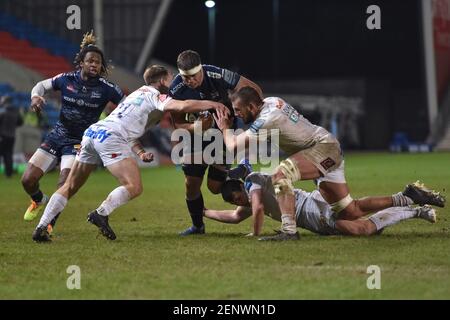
point(22, 100)
point(23, 30)
point(34, 48)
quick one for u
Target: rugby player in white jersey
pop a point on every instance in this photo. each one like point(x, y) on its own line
point(113, 141)
point(314, 153)
point(256, 198)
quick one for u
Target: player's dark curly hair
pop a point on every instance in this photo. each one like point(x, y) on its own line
point(88, 45)
point(229, 187)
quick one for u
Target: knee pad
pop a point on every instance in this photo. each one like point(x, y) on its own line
point(290, 170)
point(283, 186)
point(341, 204)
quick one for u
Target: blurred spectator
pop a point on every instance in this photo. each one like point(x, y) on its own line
point(10, 118)
point(30, 135)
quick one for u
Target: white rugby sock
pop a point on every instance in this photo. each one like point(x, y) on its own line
point(118, 197)
point(56, 204)
point(400, 200)
point(391, 216)
point(288, 223)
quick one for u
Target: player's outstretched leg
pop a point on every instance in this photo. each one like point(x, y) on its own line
point(421, 195)
point(59, 199)
point(426, 213)
point(126, 171)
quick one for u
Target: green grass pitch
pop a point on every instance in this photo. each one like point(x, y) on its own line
point(150, 261)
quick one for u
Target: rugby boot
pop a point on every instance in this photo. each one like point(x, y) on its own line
point(102, 223)
point(421, 195)
point(35, 208)
point(40, 234)
point(193, 230)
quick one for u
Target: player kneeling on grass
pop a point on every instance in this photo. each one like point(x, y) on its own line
point(112, 141)
point(257, 198)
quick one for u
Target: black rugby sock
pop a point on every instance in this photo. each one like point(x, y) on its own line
point(37, 197)
point(195, 208)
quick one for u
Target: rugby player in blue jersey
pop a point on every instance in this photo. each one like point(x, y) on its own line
point(84, 94)
point(198, 81)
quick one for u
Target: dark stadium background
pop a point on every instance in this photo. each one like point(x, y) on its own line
point(318, 40)
point(304, 47)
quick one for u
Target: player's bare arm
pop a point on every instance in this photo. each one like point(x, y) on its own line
point(37, 94)
point(188, 106)
point(228, 216)
point(140, 152)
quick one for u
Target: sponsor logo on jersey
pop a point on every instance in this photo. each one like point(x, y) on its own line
point(255, 126)
point(83, 103)
point(101, 134)
point(176, 88)
point(229, 76)
point(115, 155)
point(327, 163)
point(69, 99)
point(294, 117)
point(214, 75)
point(47, 148)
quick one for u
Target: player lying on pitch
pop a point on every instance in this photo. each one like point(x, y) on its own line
point(256, 197)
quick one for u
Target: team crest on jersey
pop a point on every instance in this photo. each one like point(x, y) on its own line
point(255, 126)
point(162, 97)
point(96, 95)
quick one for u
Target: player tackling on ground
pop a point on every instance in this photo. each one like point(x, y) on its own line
point(112, 141)
point(256, 197)
point(314, 153)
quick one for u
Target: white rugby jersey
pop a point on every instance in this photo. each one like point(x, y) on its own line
point(296, 133)
point(312, 212)
point(140, 110)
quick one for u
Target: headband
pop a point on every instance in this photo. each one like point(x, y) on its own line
point(190, 72)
